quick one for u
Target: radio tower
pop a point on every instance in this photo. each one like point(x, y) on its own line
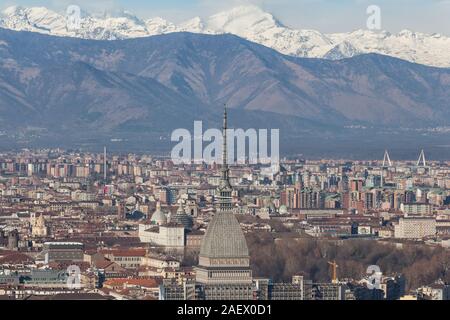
point(422, 159)
point(104, 164)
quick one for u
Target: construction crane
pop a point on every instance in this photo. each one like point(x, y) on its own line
point(334, 267)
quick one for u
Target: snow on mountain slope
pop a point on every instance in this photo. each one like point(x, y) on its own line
point(39, 19)
point(36, 19)
point(248, 22)
point(343, 50)
point(251, 23)
point(433, 50)
point(194, 25)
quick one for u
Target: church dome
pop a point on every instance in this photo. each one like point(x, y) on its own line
point(182, 218)
point(224, 238)
point(158, 216)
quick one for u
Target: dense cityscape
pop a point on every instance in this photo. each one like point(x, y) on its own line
point(202, 159)
point(82, 225)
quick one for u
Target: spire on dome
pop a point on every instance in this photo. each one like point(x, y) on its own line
point(224, 190)
point(224, 146)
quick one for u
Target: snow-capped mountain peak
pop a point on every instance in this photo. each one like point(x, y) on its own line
point(37, 19)
point(195, 25)
point(13, 10)
point(341, 51)
point(158, 25)
point(243, 19)
point(249, 22)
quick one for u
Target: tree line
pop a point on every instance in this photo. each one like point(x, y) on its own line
point(281, 258)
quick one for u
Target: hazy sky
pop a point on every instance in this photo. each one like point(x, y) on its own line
point(324, 15)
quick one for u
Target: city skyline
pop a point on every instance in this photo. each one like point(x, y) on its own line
point(142, 206)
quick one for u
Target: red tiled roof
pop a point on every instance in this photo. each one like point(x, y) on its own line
point(103, 264)
point(16, 258)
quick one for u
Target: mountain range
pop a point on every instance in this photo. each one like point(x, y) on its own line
point(248, 22)
point(65, 89)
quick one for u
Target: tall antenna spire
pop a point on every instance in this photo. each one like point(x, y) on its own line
point(224, 136)
point(225, 189)
point(225, 170)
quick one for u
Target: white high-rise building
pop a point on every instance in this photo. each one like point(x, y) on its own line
point(415, 228)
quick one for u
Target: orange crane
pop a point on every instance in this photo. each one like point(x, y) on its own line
point(334, 267)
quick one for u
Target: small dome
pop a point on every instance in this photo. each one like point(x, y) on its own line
point(182, 218)
point(283, 210)
point(158, 217)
